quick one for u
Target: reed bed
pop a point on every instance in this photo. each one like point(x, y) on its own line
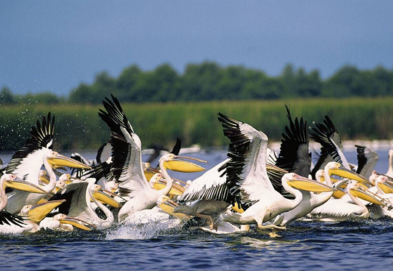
point(79, 126)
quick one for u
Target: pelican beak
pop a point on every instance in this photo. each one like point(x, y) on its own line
point(364, 195)
point(78, 223)
point(275, 168)
point(40, 211)
point(179, 164)
point(345, 173)
point(386, 187)
point(105, 196)
point(176, 190)
point(63, 161)
point(302, 183)
point(20, 184)
point(168, 207)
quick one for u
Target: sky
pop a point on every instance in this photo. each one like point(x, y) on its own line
point(53, 45)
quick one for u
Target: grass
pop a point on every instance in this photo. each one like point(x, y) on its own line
point(79, 126)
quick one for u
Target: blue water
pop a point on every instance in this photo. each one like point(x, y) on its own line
point(345, 246)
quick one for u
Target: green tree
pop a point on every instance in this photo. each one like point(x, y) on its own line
point(6, 96)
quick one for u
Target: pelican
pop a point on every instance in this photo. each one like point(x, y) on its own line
point(295, 157)
point(26, 163)
point(29, 218)
point(127, 162)
point(62, 222)
point(348, 206)
point(78, 204)
point(248, 180)
point(390, 169)
point(7, 220)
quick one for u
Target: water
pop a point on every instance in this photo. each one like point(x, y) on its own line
point(345, 246)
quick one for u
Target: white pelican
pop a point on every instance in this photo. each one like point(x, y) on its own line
point(29, 218)
point(26, 163)
point(62, 222)
point(127, 165)
point(390, 169)
point(78, 196)
point(248, 180)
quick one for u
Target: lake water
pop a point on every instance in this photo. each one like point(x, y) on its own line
point(345, 246)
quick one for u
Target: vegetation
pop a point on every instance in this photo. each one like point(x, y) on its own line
point(208, 81)
point(79, 126)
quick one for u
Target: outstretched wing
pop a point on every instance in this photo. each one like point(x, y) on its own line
point(327, 135)
point(246, 170)
point(294, 152)
point(210, 186)
point(27, 160)
point(126, 148)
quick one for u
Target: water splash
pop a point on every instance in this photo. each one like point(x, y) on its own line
point(142, 231)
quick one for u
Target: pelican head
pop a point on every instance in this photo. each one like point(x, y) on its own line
point(12, 181)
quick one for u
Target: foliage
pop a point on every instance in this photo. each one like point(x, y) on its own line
point(79, 126)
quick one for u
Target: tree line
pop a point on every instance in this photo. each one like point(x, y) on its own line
point(208, 81)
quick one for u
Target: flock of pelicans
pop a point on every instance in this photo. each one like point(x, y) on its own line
point(253, 186)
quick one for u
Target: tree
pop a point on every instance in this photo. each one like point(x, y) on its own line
point(6, 96)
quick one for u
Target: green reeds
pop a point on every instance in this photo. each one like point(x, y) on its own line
point(79, 126)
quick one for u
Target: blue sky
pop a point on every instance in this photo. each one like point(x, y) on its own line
point(49, 45)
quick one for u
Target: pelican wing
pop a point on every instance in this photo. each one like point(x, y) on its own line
point(177, 147)
point(7, 218)
point(27, 160)
point(99, 171)
point(246, 171)
point(126, 148)
point(75, 199)
point(367, 159)
point(79, 172)
point(104, 152)
point(294, 153)
point(327, 135)
point(210, 186)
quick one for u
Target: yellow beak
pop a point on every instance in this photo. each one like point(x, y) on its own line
point(184, 166)
point(386, 187)
point(176, 190)
point(39, 212)
point(78, 223)
point(364, 195)
point(302, 183)
point(63, 161)
point(168, 207)
point(24, 186)
point(345, 173)
point(105, 198)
